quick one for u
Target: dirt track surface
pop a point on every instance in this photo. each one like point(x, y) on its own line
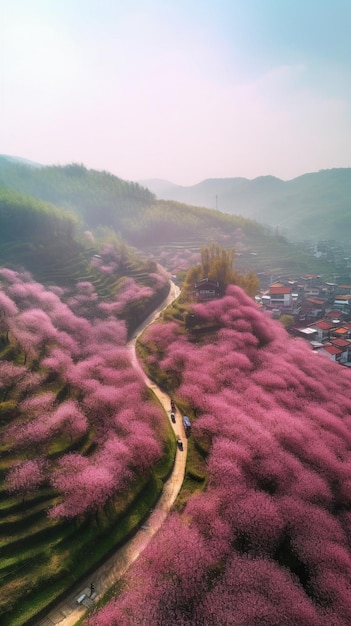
point(75, 605)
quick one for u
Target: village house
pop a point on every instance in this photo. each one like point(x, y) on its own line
point(344, 290)
point(327, 317)
point(207, 289)
point(328, 290)
point(310, 334)
point(312, 309)
point(314, 292)
point(334, 316)
point(280, 296)
point(335, 353)
point(343, 303)
point(343, 331)
point(323, 328)
point(310, 281)
point(345, 344)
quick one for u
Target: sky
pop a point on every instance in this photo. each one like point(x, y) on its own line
point(181, 90)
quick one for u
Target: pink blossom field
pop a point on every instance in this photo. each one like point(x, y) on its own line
point(269, 541)
point(105, 396)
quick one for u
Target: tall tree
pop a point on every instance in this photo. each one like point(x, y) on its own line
point(217, 263)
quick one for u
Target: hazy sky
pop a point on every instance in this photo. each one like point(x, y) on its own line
point(177, 89)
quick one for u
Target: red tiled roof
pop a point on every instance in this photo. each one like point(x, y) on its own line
point(341, 343)
point(281, 290)
point(323, 325)
point(333, 314)
point(332, 349)
point(315, 301)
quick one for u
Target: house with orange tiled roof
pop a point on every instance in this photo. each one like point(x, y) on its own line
point(343, 303)
point(312, 308)
point(312, 285)
point(343, 297)
point(334, 352)
point(345, 344)
point(323, 328)
point(280, 296)
point(310, 280)
point(343, 331)
point(339, 342)
point(315, 302)
point(344, 289)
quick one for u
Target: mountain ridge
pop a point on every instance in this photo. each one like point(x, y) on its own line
point(20, 160)
point(314, 205)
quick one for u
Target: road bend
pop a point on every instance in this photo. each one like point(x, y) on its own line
point(81, 597)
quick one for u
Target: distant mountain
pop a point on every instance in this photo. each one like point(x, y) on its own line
point(15, 159)
point(158, 185)
point(103, 203)
point(312, 206)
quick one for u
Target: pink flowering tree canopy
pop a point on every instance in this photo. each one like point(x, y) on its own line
point(76, 384)
point(268, 542)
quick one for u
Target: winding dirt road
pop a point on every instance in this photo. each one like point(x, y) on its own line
point(75, 605)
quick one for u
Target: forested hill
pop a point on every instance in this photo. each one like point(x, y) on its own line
point(95, 196)
point(100, 199)
point(315, 206)
point(24, 217)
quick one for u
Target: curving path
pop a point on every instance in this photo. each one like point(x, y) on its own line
point(70, 610)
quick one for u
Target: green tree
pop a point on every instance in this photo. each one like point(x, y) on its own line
point(217, 263)
point(286, 320)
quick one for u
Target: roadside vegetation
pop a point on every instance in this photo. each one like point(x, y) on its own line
point(218, 264)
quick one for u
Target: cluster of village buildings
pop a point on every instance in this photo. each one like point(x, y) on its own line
point(321, 313)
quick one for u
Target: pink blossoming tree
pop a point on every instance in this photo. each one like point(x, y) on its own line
point(268, 542)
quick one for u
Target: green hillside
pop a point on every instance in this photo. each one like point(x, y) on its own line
point(313, 206)
point(96, 197)
point(101, 200)
point(47, 241)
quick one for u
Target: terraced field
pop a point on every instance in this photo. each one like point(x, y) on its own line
point(41, 556)
point(64, 266)
point(259, 254)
